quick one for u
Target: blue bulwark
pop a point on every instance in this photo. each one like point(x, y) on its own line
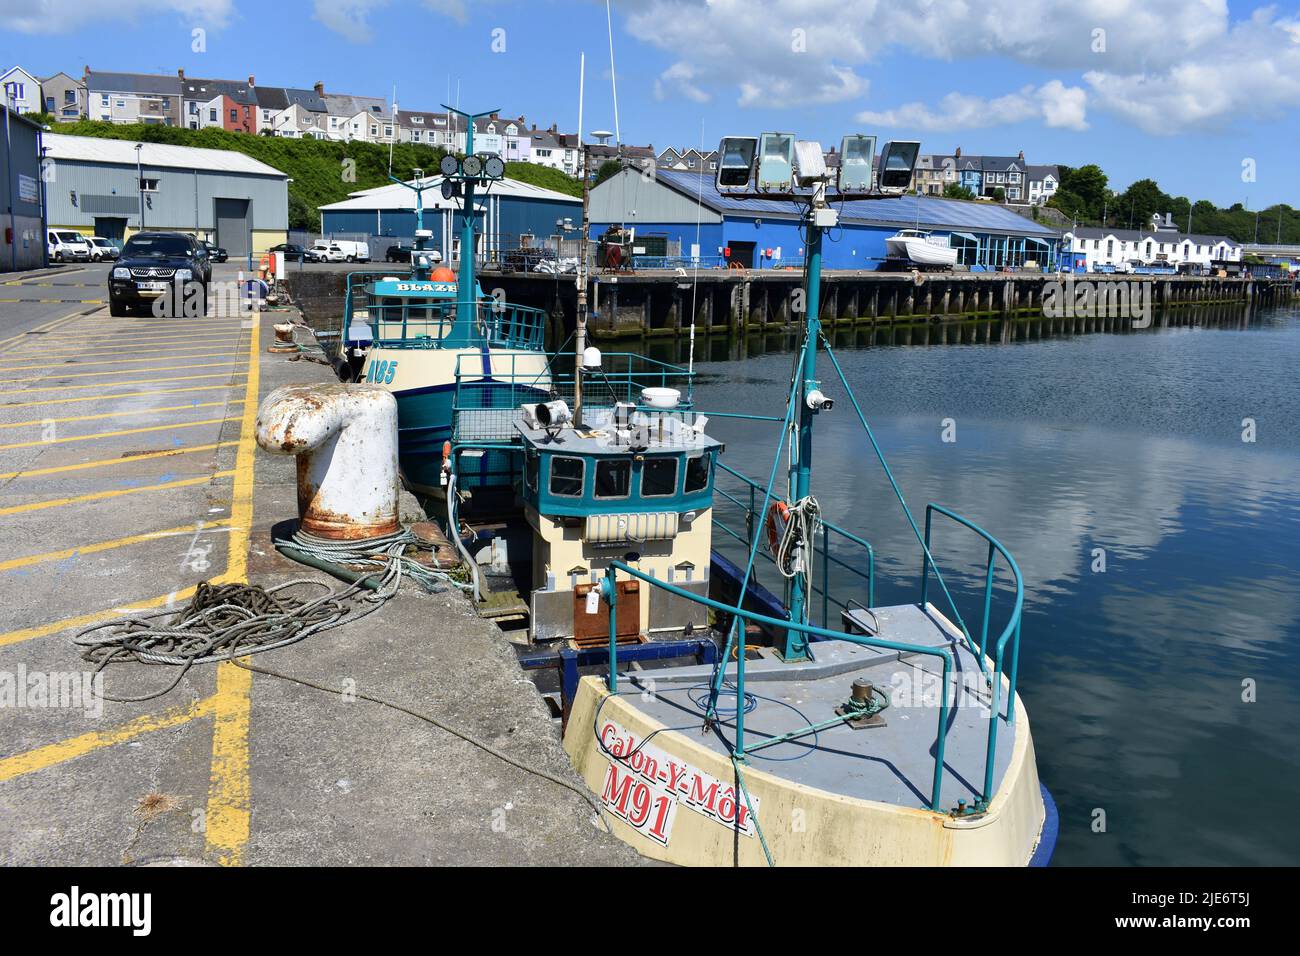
point(413, 288)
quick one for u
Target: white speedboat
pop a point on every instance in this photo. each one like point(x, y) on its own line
point(920, 247)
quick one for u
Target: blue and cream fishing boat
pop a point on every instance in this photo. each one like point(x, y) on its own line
point(801, 721)
point(433, 338)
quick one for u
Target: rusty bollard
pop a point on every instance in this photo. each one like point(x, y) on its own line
point(345, 439)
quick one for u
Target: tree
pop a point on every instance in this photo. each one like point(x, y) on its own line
point(1088, 184)
point(999, 194)
point(957, 191)
point(1137, 204)
point(607, 169)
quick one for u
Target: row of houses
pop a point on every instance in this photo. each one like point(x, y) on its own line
point(1093, 249)
point(244, 106)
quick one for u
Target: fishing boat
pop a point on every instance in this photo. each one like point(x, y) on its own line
point(433, 338)
point(724, 698)
point(920, 247)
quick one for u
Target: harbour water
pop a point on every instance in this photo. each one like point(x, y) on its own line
point(1160, 547)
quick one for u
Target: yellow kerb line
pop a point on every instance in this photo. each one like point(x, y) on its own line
point(112, 493)
point(99, 546)
point(120, 431)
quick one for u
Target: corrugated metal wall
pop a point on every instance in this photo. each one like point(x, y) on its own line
point(186, 199)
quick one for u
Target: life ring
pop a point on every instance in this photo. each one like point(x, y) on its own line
point(778, 519)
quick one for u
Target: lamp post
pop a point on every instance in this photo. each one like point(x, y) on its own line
point(139, 182)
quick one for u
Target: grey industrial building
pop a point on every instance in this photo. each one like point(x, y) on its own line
point(24, 233)
point(222, 195)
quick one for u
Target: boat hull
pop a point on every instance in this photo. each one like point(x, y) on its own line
point(423, 381)
point(921, 252)
point(802, 825)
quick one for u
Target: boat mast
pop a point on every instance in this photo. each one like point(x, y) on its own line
point(463, 330)
point(580, 325)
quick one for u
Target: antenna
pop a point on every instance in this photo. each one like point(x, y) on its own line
point(613, 76)
point(582, 79)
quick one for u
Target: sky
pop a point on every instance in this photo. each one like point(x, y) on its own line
point(1200, 95)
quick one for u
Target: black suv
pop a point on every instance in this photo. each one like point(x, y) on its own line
point(167, 266)
point(398, 253)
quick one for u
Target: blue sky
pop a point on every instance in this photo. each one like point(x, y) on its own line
point(1183, 91)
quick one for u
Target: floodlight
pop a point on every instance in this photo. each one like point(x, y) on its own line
point(775, 161)
point(493, 167)
point(450, 189)
point(736, 162)
point(472, 166)
point(810, 161)
point(857, 161)
point(897, 161)
point(449, 166)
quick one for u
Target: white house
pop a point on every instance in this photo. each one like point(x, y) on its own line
point(1118, 248)
point(1043, 182)
point(430, 129)
point(21, 89)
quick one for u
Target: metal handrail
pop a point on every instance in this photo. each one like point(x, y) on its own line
point(609, 595)
point(1009, 633)
point(828, 528)
point(504, 325)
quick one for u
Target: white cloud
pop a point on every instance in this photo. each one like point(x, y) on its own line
point(1053, 103)
point(1162, 65)
point(350, 19)
point(65, 16)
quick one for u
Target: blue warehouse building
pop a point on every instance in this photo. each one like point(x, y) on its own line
point(511, 214)
point(687, 210)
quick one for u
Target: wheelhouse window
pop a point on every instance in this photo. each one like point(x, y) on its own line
point(531, 464)
point(658, 477)
point(613, 477)
point(697, 472)
point(566, 476)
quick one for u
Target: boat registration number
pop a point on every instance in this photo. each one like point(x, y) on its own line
point(644, 785)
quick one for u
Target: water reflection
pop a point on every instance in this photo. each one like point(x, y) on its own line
point(1073, 448)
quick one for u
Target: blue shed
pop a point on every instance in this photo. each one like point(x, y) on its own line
point(509, 209)
point(687, 209)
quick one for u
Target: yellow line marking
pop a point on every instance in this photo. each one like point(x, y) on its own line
point(120, 460)
point(112, 493)
point(140, 371)
point(95, 349)
point(96, 398)
point(229, 788)
point(46, 327)
point(99, 546)
point(127, 411)
point(113, 434)
point(97, 617)
point(79, 746)
point(88, 336)
point(118, 361)
point(135, 381)
point(209, 344)
point(151, 355)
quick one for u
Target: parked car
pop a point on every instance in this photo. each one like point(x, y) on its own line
point(67, 244)
point(354, 251)
point(327, 251)
point(101, 249)
point(156, 264)
point(398, 253)
point(293, 252)
point(215, 252)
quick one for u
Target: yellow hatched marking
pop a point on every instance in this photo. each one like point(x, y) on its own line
point(46, 327)
point(118, 361)
point(120, 431)
point(208, 345)
point(138, 371)
point(128, 411)
point(136, 381)
point(109, 462)
point(111, 493)
point(96, 398)
point(100, 546)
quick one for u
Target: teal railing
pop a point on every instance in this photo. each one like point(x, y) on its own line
point(418, 323)
point(823, 551)
point(1009, 638)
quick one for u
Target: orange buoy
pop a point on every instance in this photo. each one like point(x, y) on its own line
point(778, 518)
point(442, 274)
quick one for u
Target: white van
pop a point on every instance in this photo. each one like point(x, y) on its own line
point(354, 251)
point(65, 244)
point(327, 251)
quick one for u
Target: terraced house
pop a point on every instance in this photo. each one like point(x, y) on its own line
point(431, 129)
point(365, 118)
point(133, 98)
point(221, 104)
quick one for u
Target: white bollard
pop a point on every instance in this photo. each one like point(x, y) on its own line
point(345, 438)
